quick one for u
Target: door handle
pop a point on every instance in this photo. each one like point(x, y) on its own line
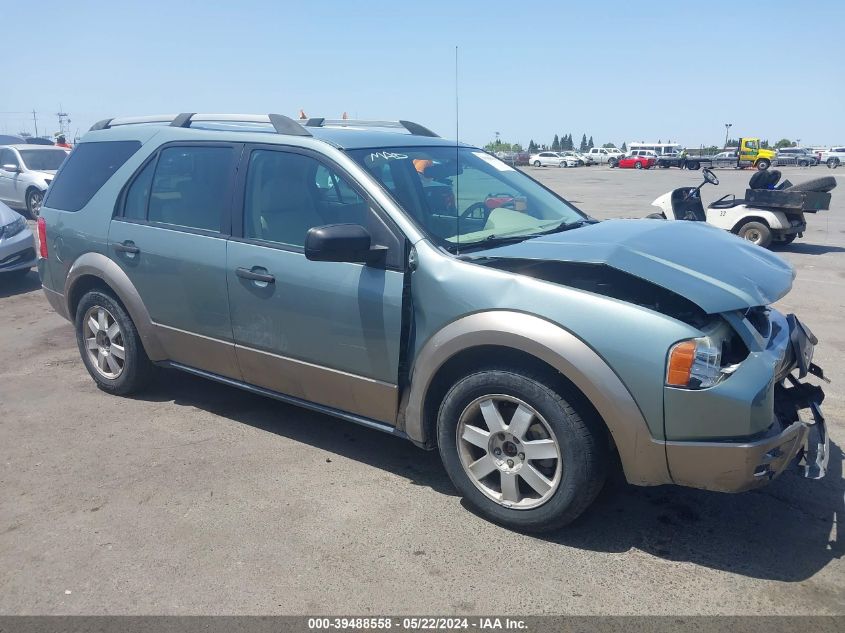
point(246, 273)
point(127, 247)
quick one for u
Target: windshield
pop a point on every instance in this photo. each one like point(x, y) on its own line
point(43, 159)
point(464, 196)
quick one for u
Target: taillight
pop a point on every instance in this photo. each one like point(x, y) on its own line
point(41, 230)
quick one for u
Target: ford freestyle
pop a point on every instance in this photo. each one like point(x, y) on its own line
point(376, 272)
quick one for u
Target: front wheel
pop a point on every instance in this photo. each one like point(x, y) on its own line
point(762, 164)
point(34, 200)
point(832, 163)
point(519, 452)
point(110, 345)
point(758, 233)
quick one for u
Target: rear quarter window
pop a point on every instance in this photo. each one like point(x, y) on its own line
point(87, 169)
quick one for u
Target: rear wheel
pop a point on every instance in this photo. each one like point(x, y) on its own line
point(638, 165)
point(832, 163)
point(110, 345)
point(518, 451)
point(536, 163)
point(34, 199)
point(694, 165)
point(758, 233)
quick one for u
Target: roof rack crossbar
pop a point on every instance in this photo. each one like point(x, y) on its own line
point(281, 124)
point(414, 128)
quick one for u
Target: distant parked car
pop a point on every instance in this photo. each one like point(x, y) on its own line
point(25, 173)
point(796, 156)
point(833, 157)
point(17, 246)
point(602, 155)
point(579, 159)
point(568, 160)
point(545, 159)
point(634, 162)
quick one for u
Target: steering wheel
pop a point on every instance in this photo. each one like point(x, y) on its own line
point(710, 177)
point(474, 207)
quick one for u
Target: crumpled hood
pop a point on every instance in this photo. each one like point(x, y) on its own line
point(714, 269)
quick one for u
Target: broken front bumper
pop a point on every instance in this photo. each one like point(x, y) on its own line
point(798, 432)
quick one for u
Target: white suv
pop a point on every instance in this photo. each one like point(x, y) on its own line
point(833, 157)
point(545, 159)
point(601, 155)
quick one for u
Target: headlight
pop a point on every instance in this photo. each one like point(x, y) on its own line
point(13, 228)
point(696, 364)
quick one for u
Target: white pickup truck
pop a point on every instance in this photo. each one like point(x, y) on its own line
point(833, 157)
point(601, 155)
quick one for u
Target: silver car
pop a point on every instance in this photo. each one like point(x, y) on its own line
point(17, 248)
point(25, 173)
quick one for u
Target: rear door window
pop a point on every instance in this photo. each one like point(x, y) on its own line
point(190, 187)
point(85, 171)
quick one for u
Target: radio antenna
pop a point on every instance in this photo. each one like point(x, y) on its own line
point(457, 162)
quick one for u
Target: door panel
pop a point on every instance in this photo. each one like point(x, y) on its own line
point(327, 332)
point(181, 278)
point(171, 242)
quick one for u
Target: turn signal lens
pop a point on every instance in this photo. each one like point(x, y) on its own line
point(681, 358)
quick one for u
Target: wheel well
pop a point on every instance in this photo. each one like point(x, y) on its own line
point(475, 359)
point(85, 284)
point(745, 221)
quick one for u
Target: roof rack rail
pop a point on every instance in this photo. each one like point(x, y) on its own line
point(414, 128)
point(280, 123)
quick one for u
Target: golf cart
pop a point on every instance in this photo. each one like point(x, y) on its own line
point(770, 213)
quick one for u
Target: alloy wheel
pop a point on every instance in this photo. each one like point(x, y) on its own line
point(34, 202)
point(104, 342)
point(516, 463)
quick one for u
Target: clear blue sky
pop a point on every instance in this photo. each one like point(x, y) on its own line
point(632, 70)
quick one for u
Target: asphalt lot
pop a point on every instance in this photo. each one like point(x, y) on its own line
point(196, 498)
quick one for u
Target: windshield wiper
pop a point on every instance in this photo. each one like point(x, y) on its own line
point(567, 226)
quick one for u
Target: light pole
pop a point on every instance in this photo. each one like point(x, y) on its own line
point(727, 132)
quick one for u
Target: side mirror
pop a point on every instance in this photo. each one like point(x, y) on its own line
point(342, 243)
point(12, 168)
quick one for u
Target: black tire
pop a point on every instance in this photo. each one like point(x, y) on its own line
point(762, 164)
point(655, 216)
point(832, 163)
point(137, 370)
point(536, 163)
point(752, 228)
point(611, 162)
point(580, 435)
point(638, 165)
point(694, 165)
point(787, 239)
point(34, 198)
point(803, 163)
point(824, 185)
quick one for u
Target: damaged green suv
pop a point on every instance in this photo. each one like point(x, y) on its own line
point(378, 273)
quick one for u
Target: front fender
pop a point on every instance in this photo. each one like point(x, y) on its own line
point(103, 268)
point(643, 458)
